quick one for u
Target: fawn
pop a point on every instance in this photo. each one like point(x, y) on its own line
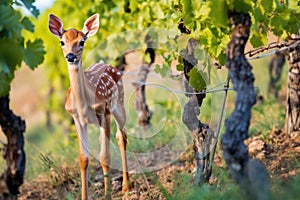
point(94, 95)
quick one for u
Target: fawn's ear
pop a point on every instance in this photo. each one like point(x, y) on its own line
point(56, 26)
point(91, 25)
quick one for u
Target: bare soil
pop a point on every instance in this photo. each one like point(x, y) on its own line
point(281, 156)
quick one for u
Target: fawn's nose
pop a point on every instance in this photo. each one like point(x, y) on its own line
point(71, 58)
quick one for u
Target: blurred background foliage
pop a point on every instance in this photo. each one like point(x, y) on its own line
point(124, 25)
point(15, 46)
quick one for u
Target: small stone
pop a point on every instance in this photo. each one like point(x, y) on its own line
point(116, 185)
point(295, 134)
point(99, 184)
point(256, 146)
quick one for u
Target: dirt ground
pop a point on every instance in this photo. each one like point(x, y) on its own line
point(281, 156)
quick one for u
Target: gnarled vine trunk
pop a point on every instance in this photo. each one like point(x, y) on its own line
point(140, 104)
point(292, 122)
point(143, 112)
point(249, 174)
point(13, 127)
point(275, 71)
point(202, 134)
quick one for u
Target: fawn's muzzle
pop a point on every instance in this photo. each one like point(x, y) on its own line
point(71, 58)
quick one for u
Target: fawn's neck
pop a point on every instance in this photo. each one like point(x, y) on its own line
point(78, 84)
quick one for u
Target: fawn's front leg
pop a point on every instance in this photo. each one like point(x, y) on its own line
point(82, 134)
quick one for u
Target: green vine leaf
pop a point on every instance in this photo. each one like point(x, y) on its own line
point(257, 14)
point(217, 12)
point(180, 67)
point(258, 40)
point(11, 54)
point(240, 5)
point(277, 24)
point(9, 19)
point(133, 5)
point(27, 24)
point(163, 70)
point(267, 5)
point(198, 79)
point(188, 15)
point(5, 80)
point(182, 41)
point(34, 53)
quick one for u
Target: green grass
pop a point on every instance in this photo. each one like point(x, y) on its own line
point(59, 147)
point(184, 187)
point(288, 190)
point(226, 189)
point(266, 117)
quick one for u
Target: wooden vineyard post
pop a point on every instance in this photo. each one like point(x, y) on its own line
point(249, 174)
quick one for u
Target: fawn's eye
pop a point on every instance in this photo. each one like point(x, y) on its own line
point(62, 43)
point(81, 44)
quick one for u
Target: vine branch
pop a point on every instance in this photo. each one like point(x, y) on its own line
point(283, 46)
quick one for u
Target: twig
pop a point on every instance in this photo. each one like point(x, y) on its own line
point(280, 46)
